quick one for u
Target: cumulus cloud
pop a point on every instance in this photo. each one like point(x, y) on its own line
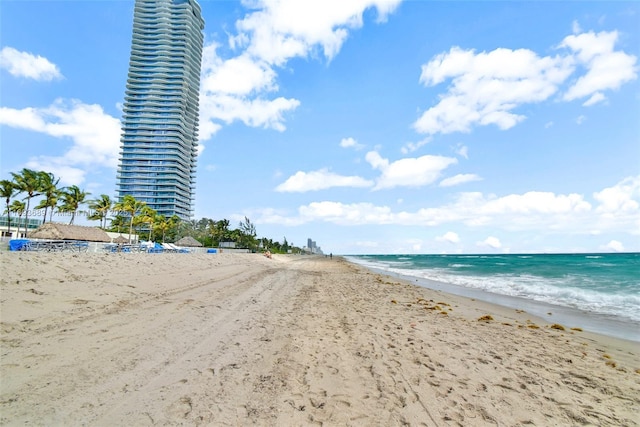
point(241, 86)
point(534, 210)
point(351, 143)
point(533, 202)
point(94, 134)
point(450, 237)
point(490, 242)
point(28, 65)
point(278, 30)
point(614, 246)
point(607, 69)
point(408, 172)
point(624, 197)
point(241, 75)
point(618, 205)
point(236, 90)
point(319, 180)
point(486, 88)
point(346, 214)
point(459, 179)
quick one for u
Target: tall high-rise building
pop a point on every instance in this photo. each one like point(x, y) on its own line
point(160, 114)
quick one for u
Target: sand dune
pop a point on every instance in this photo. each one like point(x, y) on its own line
point(239, 339)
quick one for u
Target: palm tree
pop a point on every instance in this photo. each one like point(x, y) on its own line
point(174, 223)
point(148, 216)
point(117, 224)
point(50, 191)
point(27, 181)
point(130, 206)
point(18, 208)
point(8, 190)
point(72, 198)
point(162, 224)
point(101, 208)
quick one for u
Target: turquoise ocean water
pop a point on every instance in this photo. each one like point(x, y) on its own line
point(603, 288)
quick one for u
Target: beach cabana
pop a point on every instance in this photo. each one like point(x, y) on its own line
point(189, 242)
point(56, 231)
point(121, 239)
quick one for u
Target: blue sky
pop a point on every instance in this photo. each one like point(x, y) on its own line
point(368, 126)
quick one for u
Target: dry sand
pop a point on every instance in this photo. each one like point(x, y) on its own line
point(234, 340)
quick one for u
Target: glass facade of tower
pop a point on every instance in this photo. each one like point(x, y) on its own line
point(160, 113)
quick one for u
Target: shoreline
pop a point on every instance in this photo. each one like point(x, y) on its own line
point(597, 323)
point(475, 301)
point(237, 339)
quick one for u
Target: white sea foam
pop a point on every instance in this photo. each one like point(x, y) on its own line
point(543, 290)
point(564, 291)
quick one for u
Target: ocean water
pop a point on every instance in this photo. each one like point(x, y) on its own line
point(606, 287)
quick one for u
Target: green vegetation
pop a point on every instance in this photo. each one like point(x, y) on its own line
point(126, 215)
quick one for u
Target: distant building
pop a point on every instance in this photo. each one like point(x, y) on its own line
point(161, 106)
point(312, 247)
point(16, 223)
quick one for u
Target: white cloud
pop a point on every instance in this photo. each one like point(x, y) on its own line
point(408, 172)
point(614, 246)
point(533, 202)
point(595, 98)
point(487, 87)
point(28, 65)
point(410, 147)
point(491, 242)
point(235, 89)
point(581, 119)
point(351, 143)
point(69, 175)
point(450, 237)
point(320, 180)
point(619, 211)
point(607, 69)
point(272, 33)
point(575, 26)
point(95, 136)
point(252, 112)
point(279, 30)
point(624, 197)
point(459, 179)
point(241, 75)
point(462, 151)
point(346, 214)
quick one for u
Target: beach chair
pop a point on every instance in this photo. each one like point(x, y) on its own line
point(167, 247)
point(178, 248)
point(110, 247)
point(156, 249)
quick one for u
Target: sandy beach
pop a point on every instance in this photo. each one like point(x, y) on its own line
point(239, 339)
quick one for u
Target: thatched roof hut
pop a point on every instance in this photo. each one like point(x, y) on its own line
point(189, 242)
point(57, 231)
point(121, 239)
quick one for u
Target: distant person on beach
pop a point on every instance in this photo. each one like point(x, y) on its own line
point(268, 254)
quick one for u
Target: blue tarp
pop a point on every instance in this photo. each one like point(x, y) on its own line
point(17, 244)
point(212, 251)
